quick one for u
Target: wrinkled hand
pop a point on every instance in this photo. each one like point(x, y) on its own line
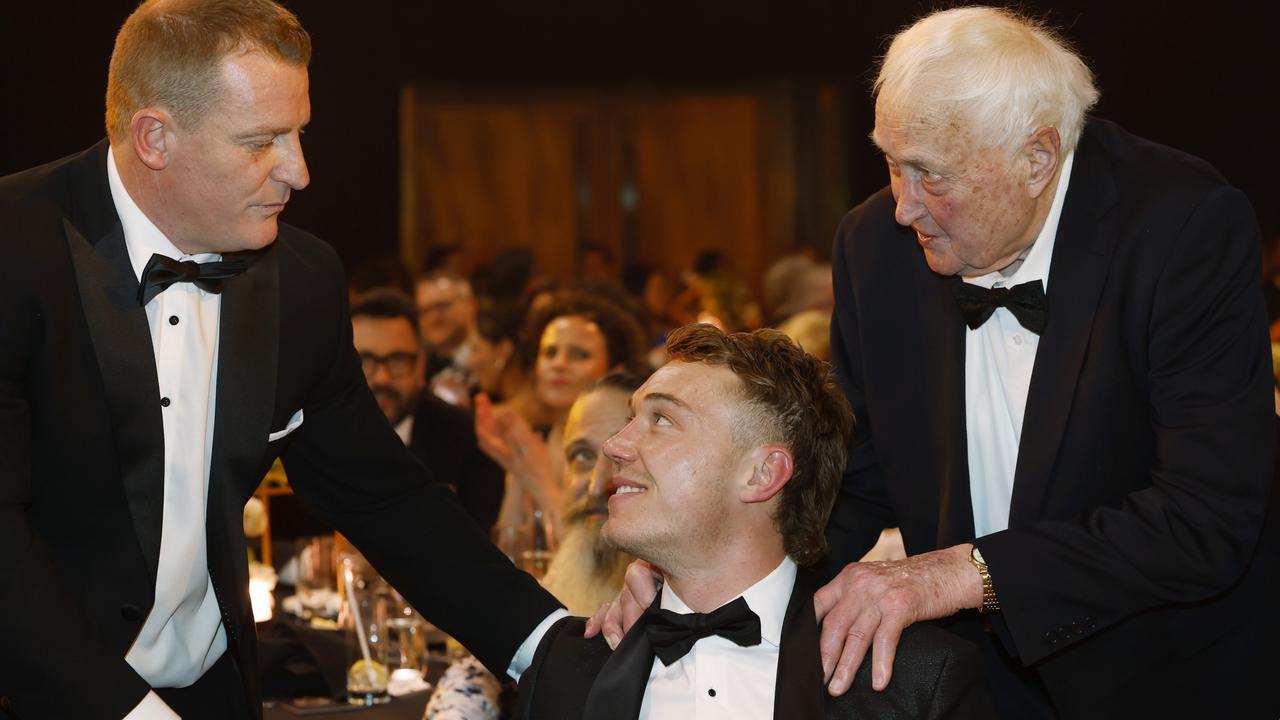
point(639, 589)
point(870, 603)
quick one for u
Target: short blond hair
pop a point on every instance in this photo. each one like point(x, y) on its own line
point(1002, 73)
point(167, 54)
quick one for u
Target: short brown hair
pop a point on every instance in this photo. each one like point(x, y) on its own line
point(386, 303)
point(623, 336)
point(168, 52)
point(794, 401)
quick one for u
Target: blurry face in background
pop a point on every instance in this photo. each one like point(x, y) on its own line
point(392, 361)
point(657, 294)
point(572, 355)
point(594, 418)
point(446, 313)
point(487, 360)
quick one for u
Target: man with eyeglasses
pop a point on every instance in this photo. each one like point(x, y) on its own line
point(446, 321)
point(385, 333)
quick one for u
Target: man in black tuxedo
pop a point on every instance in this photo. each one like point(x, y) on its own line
point(723, 481)
point(1051, 334)
point(442, 436)
point(143, 396)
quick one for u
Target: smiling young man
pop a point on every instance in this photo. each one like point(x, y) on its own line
point(163, 339)
point(723, 480)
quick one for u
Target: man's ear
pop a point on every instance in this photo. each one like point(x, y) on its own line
point(1042, 155)
point(152, 136)
point(769, 476)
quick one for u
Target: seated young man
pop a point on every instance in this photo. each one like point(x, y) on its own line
point(724, 479)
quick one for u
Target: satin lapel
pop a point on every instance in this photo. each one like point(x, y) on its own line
point(248, 349)
point(941, 369)
point(799, 691)
point(248, 343)
point(1082, 253)
point(618, 690)
point(126, 360)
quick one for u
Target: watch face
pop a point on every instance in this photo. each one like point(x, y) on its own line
point(977, 555)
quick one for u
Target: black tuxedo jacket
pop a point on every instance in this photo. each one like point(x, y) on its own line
point(935, 675)
point(444, 438)
point(81, 466)
point(1131, 577)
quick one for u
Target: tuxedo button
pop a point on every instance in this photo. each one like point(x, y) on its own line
point(711, 692)
point(164, 402)
point(130, 612)
point(173, 319)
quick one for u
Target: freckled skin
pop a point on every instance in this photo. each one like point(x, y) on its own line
point(974, 208)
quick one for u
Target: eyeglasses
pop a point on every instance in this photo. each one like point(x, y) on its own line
point(399, 365)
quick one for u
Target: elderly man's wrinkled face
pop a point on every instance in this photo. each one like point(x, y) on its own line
point(231, 175)
point(446, 313)
point(972, 213)
point(392, 361)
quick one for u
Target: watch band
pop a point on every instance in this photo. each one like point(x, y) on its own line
point(990, 603)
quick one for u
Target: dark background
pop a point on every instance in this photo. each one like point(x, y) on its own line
point(1198, 76)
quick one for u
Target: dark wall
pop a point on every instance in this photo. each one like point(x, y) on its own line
point(1199, 76)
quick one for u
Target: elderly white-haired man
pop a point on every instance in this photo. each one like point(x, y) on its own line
point(1052, 335)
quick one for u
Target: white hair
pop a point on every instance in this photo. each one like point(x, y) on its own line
point(1002, 74)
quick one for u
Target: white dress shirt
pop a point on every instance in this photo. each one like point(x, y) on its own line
point(998, 359)
point(718, 679)
point(183, 634)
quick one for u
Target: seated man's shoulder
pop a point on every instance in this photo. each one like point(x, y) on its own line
point(565, 650)
point(563, 669)
point(935, 675)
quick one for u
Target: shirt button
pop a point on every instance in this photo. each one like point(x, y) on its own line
point(1017, 339)
point(173, 319)
point(164, 402)
point(711, 692)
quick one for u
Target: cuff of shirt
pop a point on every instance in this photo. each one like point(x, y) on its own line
point(524, 655)
point(153, 708)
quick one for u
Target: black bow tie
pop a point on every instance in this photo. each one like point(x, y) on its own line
point(1027, 302)
point(672, 635)
point(161, 272)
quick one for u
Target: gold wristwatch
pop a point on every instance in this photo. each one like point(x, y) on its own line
point(990, 603)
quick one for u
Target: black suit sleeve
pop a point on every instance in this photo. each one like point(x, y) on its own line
point(53, 663)
point(960, 690)
point(352, 470)
point(862, 508)
point(936, 676)
point(1189, 533)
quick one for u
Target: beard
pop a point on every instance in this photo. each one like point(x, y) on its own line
point(394, 404)
point(587, 571)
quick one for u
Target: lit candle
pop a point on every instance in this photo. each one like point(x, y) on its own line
point(262, 580)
